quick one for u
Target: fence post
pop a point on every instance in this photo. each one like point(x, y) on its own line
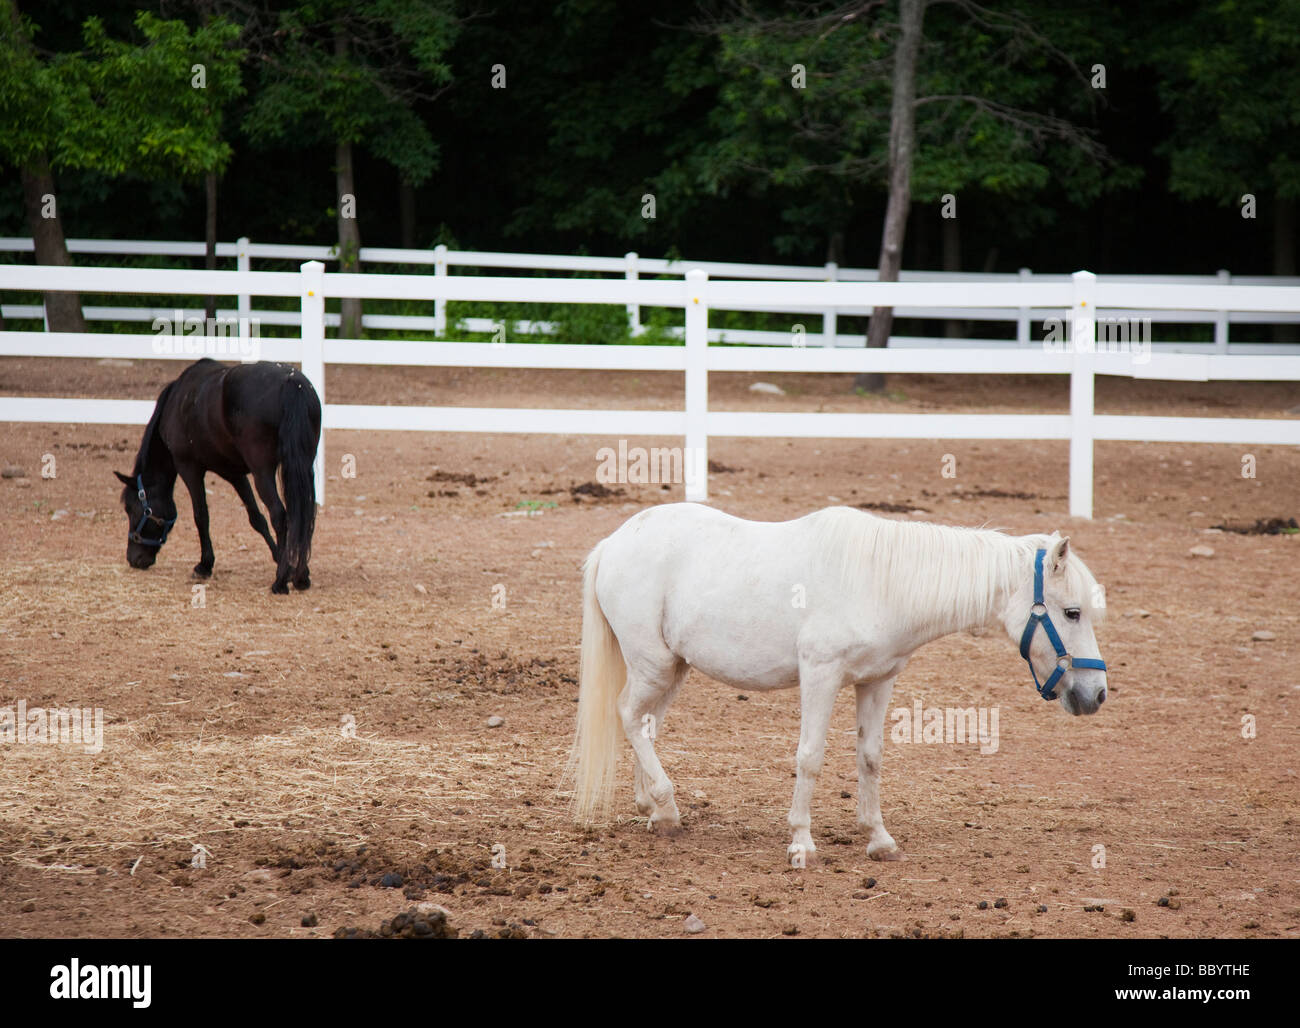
point(1022, 318)
point(313, 353)
point(829, 327)
point(695, 461)
point(1083, 339)
point(244, 301)
point(440, 303)
point(633, 309)
point(1221, 318)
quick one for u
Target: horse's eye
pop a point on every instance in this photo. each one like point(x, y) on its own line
point(1072, 613)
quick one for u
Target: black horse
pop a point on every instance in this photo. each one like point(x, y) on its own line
point(250, 418)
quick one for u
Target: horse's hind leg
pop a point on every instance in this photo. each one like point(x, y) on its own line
point(641, 705)
point(255, 518)
point(644, 804)
point(266, 489)
point(872, 699)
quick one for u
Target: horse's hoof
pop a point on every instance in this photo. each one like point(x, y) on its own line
point(894, 854)
point(202, 572)
point(801, 855)
point(302, 583)
point(668, 829)
point(280, 589)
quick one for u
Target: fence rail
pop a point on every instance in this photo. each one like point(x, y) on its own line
point(632, 266)
point(1083, 296)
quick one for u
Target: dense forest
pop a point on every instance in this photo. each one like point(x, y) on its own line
point(1121, 137)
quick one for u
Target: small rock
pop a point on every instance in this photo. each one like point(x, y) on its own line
point(421, 589)
point(392, 880)
point(767, 387)
point(693, 925)
point(1127, 915)
point(258, 918)
point(495, 721)
point(59, 515)
point(29, 906)
point(1263, 636)
point(12, 471)
point(1200, 551)
point(1000, 903)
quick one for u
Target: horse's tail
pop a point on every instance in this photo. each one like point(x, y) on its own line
point(594, 760)
point(299, 436)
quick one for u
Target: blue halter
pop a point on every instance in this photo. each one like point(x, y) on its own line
point(137, 534)
point(1038, 616)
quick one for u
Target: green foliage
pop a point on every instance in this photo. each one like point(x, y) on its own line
point(1230, 83)
point(352, 72)
point(84, 108)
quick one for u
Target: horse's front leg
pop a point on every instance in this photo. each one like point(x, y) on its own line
point(818, 686)
point(193, 479)
point(872, 699)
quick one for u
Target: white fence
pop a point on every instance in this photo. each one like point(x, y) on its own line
point(1084, 296)
point(631, 267)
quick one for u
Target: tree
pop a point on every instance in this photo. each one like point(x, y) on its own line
point(190, 78)
point(1230, 81)
point(351, 74)
point(32, 103)
point(864, 94)
point(83, 110)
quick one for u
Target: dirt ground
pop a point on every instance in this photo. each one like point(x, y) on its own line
point(331, 751)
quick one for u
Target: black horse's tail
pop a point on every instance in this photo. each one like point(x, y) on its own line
point(300, 418)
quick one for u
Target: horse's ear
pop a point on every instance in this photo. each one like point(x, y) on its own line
point(1059, 554)
point(124, 479)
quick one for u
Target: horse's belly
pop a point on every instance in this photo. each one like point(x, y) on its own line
point(755, 651)
point(756, 679)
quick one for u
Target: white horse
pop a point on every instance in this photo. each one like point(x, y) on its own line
point(835, 597)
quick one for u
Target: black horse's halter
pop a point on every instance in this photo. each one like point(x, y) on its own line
point(137, 534)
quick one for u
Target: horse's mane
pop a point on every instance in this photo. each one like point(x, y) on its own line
point(151, 437)
point(937, 571)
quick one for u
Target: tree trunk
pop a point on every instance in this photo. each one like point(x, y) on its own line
point(62, 310)
point(210, 236)
point(349, 230)
point(902, 139)
point(835, 247)
point(349, 241)
point(1284, 257)
point(406, 208)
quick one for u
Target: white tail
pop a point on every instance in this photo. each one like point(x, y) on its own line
point(594, 760)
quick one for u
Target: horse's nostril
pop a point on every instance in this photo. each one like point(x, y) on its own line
point(1101, 697)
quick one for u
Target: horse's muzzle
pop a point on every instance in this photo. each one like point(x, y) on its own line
point(142, 560)
point(1079, 699)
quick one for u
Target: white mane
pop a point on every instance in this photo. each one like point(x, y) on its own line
point(933, 574)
